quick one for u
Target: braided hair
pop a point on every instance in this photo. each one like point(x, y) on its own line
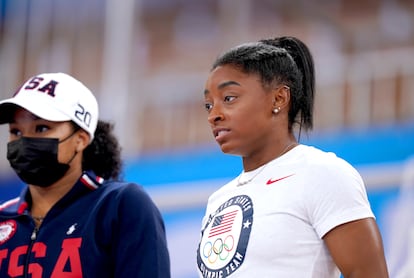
point(282, 60)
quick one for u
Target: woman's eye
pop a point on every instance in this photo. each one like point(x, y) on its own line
point(42, 128)
point(208, 106)
point(229, 98)
point(15, 132)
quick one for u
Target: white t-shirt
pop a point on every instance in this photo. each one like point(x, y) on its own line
point(273, 226)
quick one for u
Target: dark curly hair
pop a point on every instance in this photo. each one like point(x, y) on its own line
point(282, 60)
point(103, 155)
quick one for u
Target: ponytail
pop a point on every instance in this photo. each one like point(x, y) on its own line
point(302, 101)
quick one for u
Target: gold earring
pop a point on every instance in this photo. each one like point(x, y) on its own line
point(276, 110)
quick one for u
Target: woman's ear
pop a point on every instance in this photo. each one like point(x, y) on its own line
point(82, 140)
point(281, 97)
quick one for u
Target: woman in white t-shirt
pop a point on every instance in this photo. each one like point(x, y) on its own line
point(294, 211)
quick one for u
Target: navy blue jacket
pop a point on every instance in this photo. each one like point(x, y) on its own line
point(98, 229)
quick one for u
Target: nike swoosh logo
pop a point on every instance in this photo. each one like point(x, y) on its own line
point(270, 181)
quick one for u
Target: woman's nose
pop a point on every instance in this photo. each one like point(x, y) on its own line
point(215, 116)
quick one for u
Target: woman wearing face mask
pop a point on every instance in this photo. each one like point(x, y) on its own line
point(294, 210)
point(74, 218)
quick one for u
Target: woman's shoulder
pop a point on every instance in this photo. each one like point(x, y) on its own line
point(317, 154)
point(314, 158)
point(127, 192)
point(122, 187)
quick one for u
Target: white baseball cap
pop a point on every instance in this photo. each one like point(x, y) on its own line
point(55, 97)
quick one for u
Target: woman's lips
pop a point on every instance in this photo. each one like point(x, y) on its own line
point(219, 133)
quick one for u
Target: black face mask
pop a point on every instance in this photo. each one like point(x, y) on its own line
point(35, 160)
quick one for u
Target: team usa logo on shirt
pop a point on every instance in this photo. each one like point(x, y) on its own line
point(225, 238)
point(7, 230)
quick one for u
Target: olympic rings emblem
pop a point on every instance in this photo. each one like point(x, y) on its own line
point(218, 249)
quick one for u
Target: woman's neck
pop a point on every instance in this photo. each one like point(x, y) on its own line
point(43, 198)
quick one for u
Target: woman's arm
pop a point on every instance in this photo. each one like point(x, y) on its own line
point(357, 249)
